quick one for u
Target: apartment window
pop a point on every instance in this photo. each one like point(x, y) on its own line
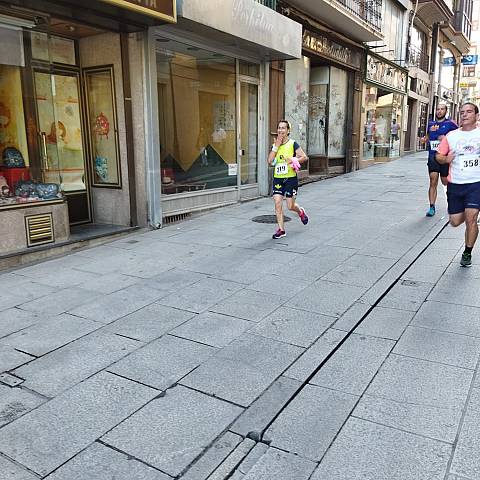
point(393, 30)
point(469, 71)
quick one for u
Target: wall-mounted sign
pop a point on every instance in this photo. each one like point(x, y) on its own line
point(162, 9)
point(470, 59)
point(449, 61)
point(386, 74)
point(470, 83)
point(317, 43)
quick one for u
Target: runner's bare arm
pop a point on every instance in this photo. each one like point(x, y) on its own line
point(301, 155)
point(444, 154)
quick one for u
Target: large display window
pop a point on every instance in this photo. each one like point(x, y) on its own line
point(41, 142)
point(197, 109)
point(383, 124)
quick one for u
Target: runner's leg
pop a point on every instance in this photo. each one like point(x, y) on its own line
point(471, 226)
point(278, 199)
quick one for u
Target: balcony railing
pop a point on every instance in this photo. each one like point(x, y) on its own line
point(417, 58)
point(268, 3)
point(370, 11)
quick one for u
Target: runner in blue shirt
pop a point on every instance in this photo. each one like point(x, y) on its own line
point(436, 130)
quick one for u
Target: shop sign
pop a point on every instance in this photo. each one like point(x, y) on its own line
point(161, 9)
point(470, 83)
point(386, 74)
point(470, 59)
point(330, 49)
point(449, 61)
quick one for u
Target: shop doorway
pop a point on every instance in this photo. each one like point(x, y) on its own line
point(61, 137)
point(248, 134)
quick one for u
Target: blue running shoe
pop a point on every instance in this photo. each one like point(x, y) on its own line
point(431, 211)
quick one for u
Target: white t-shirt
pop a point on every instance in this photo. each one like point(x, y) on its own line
point(465, 167)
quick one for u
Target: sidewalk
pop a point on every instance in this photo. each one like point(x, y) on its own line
point(208, 350)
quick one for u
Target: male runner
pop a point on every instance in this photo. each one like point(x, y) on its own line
point(436, 130)
point(460, 149)
point(285, 155)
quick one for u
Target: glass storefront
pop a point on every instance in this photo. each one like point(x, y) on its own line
point(41, 133)
point(198, 123)
point(383, 124)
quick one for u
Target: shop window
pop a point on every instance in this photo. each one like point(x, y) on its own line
point(197, 120)
point(383, 124)
point(327, 112)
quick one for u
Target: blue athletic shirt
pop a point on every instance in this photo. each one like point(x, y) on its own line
point(436, 129)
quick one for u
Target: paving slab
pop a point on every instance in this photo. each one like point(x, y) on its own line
point(62, 276)
point(417, 396)
point(276, 464)
point(15, 402)
point(15, 319)
point(318, 261)
point(111, 307)
point(163, 362)
point(466, 461)
point(360, 270)
point(11, 358)
point(30, 290)
point(99, 462)
point(421, 272)
point(213, 457)
point(327, 298)
point(8, 300)
point(407, 295)
point(212, 329)
point(262, 411)
point(367, 451)
point(51, 333)
point(268, 282)
point(48, 436)
point(293, 326)
point(241, 371)
point(249, 305)
point(11, 471)
point(61, 369)
point(60, 301)
point(437, 346)
point(202, 295)
point(354, 364)
point(448, 317)
point(149, 322)
point(302, 368)
point(170, 432)
point(350, 318)
point(229, 467)
point(462, 291)
point(385, 323)
point(311, 421)
point(108, 283)
point(174, 279)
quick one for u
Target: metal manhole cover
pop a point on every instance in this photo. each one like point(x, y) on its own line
point(269, 219)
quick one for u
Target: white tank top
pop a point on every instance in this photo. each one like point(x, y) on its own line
point(465, 167)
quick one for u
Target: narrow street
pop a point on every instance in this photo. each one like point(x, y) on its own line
point(347, 350)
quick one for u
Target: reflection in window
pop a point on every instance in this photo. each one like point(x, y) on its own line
point(196, 95)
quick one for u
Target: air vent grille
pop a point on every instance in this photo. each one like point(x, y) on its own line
point(39, 229)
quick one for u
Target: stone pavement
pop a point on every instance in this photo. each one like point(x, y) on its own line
point(348, 350)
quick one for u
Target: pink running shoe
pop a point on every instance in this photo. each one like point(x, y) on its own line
point(303, 216)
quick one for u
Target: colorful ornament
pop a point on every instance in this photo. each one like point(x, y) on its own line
point(102, 125)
